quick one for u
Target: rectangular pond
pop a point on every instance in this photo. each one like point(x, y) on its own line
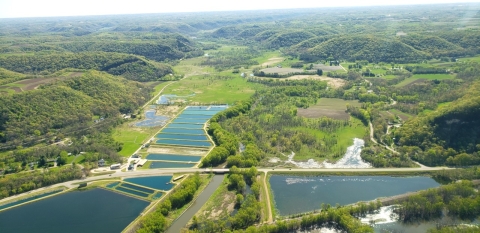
point(197, 112)
point(155, 182)
point(184, 143)
point(298, 194)
point(174, 157)
point(156, 164)
point(189, 121)
point(186, 126)
point(187, 116)
point(18, 202)
point(182, 136)
point(95, 210)
point(183, 131)
point(138, 188)
point(131, 191)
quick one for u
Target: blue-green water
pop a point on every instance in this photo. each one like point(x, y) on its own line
point(182, 136)
point(189, 121)
point(95, 210)
point(297, 194)
point(130, 191)
point(156, 164)
point(198, 112)
point(8, 205)
point(157, 195)
point(173, 157)
point(141, 189)
point(190, 116)
point(184, 143)
point(183, 131)
point(111, 185)
point(155, 182)
point(186, 126)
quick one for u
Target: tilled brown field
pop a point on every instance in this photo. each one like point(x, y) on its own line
point(318, 113)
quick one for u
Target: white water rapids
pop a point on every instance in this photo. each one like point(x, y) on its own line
point(351, 159)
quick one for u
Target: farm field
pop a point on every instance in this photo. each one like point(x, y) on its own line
point(328, 107)
point(402, 115)
point(221, 88)
point(424, 77)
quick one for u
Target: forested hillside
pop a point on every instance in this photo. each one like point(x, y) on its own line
point(366, 47)
point(449, 135)
point(128, 66)
point(66, 106)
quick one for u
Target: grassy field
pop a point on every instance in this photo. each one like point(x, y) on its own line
point(329, 107)
point(424, 76)
point(476, 59)
point(222, 88)
point(402, 115)
point(132, 137)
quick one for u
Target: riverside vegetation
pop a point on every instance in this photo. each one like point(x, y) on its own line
point(65, 84)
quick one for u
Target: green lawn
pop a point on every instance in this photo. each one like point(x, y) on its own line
point(424, 76)
point(224, 87)
point(132, 137)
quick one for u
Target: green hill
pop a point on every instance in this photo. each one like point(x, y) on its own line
point(67, 106)
point(433, 45)
point(286, 39)
point(363, 47)
point(129, 66)
point(449, 135)
point(7, 76)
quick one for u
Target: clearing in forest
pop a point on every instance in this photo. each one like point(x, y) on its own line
point(328, 107)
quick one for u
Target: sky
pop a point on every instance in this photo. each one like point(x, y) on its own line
point(46, 8)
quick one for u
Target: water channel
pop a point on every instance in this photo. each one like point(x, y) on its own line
point(179, 223)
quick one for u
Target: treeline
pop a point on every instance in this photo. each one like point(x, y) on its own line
point(26, 181)
point(341, 218)
point(460, 199)
point(128, 66)
point(156, 221)
point(226, 143)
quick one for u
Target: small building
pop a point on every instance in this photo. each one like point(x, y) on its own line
point(115, 166)
point(141, 162)
point(101, 163)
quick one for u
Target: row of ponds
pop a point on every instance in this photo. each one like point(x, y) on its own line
point(108, 209)
point(112, 208)
point(187, 128)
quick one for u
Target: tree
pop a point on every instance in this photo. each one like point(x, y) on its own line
point(319, 72)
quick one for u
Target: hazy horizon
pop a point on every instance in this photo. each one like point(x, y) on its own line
point(57, 8)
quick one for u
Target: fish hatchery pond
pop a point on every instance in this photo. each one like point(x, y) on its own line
point(94, 210)
point(299, 194)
